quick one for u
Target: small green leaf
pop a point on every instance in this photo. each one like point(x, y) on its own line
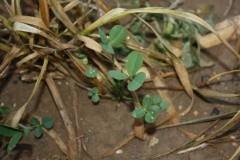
point(5, 109)
point(26, 129)
point(13, 142)
point(156, 108)
point(150, 116)
point(187, 55)
point(117, 75)
point(157, 99)
point(26, 132)
point(83, 58)
point(90, 93)
point(107, 47)
point(34, 121)
point(95, 98)
point(138, 112)
point(147, 101)
point(117, 35)
point(47, 122)
point(164, 104)
point(103, 36)
point(95, 90)
point(38, 132)
point(91, 72)
point(137, 81)
point(133, 62)
point(8, 131)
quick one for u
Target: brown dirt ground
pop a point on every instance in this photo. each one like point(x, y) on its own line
point(103, 125)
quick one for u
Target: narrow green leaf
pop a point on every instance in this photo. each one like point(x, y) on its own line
point(150, 116)
point(91, 72)
point(117, 75)
point(5, 109)
point(157, 99)
point(138, 112)
point(95, 98)
point(187, 55)
point(147, 101)
point(103, 36)
point(117, 35)
point(164, 104)
point(95, 90)
point(26, 132)
point(38, 131)
point(47, 122)
point(8, 131)
point(107, 47)
point(13, 142)
point(34, 121)
point(156, 108)
point(137, 81)
point(133, 62)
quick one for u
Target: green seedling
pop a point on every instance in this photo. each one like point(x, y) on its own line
point(133, 63)
point(117, 36)
point(83, 58)
point(5, 110)
point(93, 93)
point(16, 133)
point(150, 108)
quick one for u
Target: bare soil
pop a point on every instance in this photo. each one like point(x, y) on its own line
point(106, 123)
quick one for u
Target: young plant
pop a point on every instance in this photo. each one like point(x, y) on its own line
point(16, 134)
point(134, 78)
point(150, 108)
point(4, 110)
point(117, 36)
point(93, 93)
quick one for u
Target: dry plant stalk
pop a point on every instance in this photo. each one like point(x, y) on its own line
point(72, 145)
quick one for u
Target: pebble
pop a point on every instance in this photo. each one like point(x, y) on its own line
point(180, 108)
point(195, 113)
point(153, 142)
point(14, 104)
point(119, 151)
point(205, 77)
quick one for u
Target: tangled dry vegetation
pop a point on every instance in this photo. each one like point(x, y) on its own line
point(57, 38)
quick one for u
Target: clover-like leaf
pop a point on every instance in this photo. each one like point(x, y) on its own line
point(157, 99)
point(117, 75)
point(95, 98)
point(103, 36)
point(117, 35)
point(26, 132)
point(38, 132)
point(83, 58)
point(13, 141)
point(34, 121)
point(147, 101)
point(133, 62)
point(47, 122)
point(156, 108)
point(107, 47)
point(5, 109)
point(137, 81)
point(138, 112)
point(91, 72)
point(95, 90)
point(90, 93)
point(164, 104)
point(150, 116)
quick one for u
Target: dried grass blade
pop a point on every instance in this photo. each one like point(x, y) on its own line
point(214, 94)
point(72, 145)
point(61, 15)
point(44, 12)
point(71, 5)
point(221, 74)
point(19, 113)
point(27, 58)
point(29, 20)
point(236, 153)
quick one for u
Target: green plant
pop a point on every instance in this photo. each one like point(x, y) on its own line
point(93, 93)
point(150, 108)
point(5, 110)
point(16, 134)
